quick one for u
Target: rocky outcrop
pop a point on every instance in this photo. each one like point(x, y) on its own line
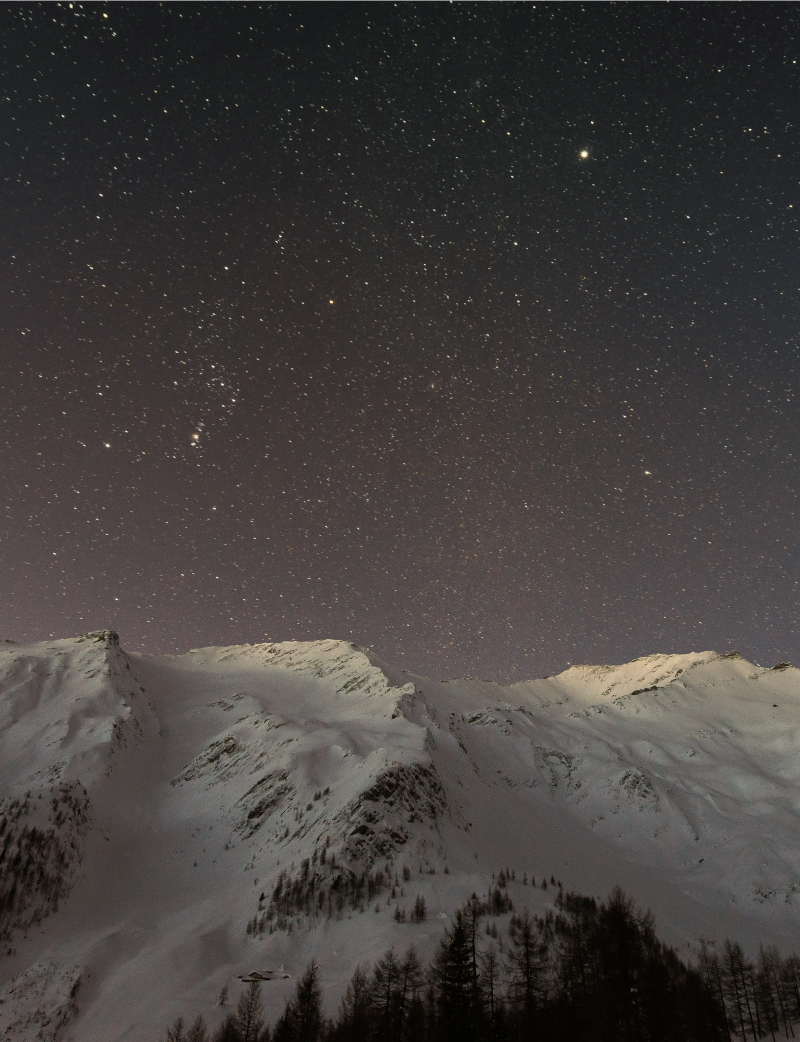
point(379, 821)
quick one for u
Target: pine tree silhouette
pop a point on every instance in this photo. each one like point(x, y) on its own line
point(302, 1019)
point(250, 1015)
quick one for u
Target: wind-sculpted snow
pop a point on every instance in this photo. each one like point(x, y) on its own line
point(184, 819)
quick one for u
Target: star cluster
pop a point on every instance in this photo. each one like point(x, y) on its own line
point(465, 332)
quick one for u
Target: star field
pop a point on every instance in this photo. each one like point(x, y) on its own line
point(465, 332)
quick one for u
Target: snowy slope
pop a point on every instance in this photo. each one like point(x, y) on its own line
point(149, 802)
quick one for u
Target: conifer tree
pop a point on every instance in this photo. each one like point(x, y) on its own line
point(735, 989)
point(767, 993)
point(624, 937)
point(301, 1020)
point(383, 990)
point(250, 1015)
point(457, 1009)
point(770, 965)
point(227, 1030)
point(709, 968)
point(577, 967)
point(526, 965)
point(409, 981)
point(489, 984)
point(176, 1033)
point(790, 976)
point(353, 1021)
point(471, 915)
point(198, 1032)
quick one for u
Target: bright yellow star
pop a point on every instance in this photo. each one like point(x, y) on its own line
point(584, 154)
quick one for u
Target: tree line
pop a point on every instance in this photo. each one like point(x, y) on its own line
point(585, 971)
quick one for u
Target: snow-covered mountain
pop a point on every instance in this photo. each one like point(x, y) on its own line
point(170, 824)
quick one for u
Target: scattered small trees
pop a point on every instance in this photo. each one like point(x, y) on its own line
point(38, 863)
point(419, 911)
point(324, 889)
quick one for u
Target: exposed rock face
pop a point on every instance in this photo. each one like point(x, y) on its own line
point(109, 637)
point(268, 794)
point(378, 822)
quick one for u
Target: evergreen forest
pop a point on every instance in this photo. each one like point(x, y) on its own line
point(584, 972)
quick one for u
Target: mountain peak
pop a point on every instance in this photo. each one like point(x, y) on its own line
point(254, 804)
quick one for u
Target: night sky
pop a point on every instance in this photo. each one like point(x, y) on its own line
point(465, 332)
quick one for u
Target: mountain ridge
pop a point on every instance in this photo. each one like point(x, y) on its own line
point(207, 778)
